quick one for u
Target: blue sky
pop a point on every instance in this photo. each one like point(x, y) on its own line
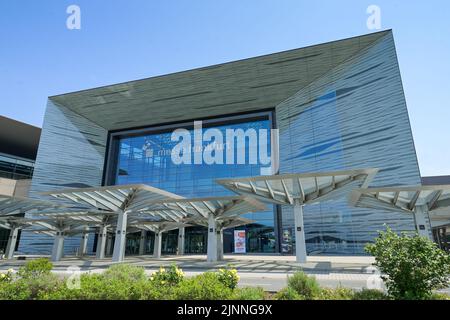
point(126, 40)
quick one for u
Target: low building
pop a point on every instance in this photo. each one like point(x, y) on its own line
point(18, 148)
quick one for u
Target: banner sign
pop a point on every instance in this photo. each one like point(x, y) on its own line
point(286, 243)
point(239, 241)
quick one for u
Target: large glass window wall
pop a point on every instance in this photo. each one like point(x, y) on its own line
point(147, 157)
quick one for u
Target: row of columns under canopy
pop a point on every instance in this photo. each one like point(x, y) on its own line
point(119, 210)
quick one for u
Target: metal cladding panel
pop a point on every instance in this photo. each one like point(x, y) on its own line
point(71, 154)
point(355, 116)
point(240, 86)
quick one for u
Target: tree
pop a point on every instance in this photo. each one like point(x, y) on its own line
point(411, 266)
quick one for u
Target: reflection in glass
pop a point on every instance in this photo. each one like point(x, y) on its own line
point(147, 159)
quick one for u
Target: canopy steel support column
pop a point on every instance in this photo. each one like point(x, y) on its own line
point(181, 236)
point(121, 235)
point(84, 243)
point(220, 244)
point(157, 245)
point(300, 244)
point(58, 246)
point(142, 242)
point(101, 242)
point(422, 221)
point(12, 241)
point(109, 242)
point(212, 239)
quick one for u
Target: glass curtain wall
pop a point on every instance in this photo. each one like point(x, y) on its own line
point(148, 158)
point(15, 168)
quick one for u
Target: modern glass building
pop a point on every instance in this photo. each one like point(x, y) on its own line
point(336, 106)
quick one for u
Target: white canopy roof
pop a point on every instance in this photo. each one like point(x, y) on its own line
point(19, 206)
point(201, 208)
point(225, 223)
point(10, 222)
point(112, 198)
point(155, 226)
point(100, 205)
point(403, 198)
point(306, 187)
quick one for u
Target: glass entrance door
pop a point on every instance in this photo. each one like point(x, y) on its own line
point(196, 240)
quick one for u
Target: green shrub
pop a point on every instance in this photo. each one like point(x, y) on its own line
point(411, 266)
point(33, 281)
point(249, 293)
point(339, 293)
point(171, 277)
point(125, 272)
point(304, 285)
point(439, 296)
point(151, 291)
point(229, 277)
point(102, 287)
point(118, 282)
point(206, 286)
point(31, 288)
point(15, 290)
point(35, 268)
point(288, 293)
point(370, 294)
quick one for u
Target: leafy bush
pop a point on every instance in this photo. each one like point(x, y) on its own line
point(439, 296)
point(172, 277)
point(125, 282)
point(104, 287)
point(125, 272)
point(205, 286)
point(30, 288)
point(229, 277)
point(35, 268)
point(14, 290)
point(7, 277)
point(39, 287)
point(304, 285)
point(339, 293)
point(288, 293)
point(411, 266)
point(32, 281)
point(370, 294)
point(249, 293)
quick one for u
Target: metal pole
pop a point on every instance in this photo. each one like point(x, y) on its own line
point(212, 239)
point(157, 245)
point(121, 234)
point(423, 226)
point(83, 243)
point(12, 241)
point(101, 242)
point(58, 247)
point(300, 243)
point(142, 242)
point(181, 232)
